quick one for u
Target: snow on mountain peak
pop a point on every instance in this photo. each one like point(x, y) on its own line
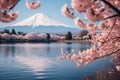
point(38, 20)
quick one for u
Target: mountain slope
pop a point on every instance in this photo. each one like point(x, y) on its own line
point(38, 20)
point(44, 29)
point(41, 23)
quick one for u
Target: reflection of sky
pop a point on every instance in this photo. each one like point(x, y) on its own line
point(40, 60)
point(38, 49)
point(36, 64)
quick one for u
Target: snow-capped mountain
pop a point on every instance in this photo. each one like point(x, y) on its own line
point(41, 23)
point(39, 19)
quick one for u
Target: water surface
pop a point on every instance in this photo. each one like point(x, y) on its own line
point(38, 61)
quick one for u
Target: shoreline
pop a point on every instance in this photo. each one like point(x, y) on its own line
point(45, 41)
point(74, 41)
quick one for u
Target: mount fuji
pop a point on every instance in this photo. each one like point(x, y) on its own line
point(41, 23)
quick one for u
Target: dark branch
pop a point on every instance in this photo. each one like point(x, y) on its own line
point(108, 54)
point(111, 16)
point(13, 6)
point(108, 34)
point(117, 37)
point(111, 6)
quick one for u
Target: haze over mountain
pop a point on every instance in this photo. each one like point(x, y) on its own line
point(41, 23)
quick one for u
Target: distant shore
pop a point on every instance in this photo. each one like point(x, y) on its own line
point(45, 41)
point(27, 41)
point(74, 41)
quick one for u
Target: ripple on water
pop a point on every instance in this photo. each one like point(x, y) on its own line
point(39, 62)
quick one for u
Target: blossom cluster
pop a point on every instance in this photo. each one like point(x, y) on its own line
point(29, 36)
point(32, 5)
point(105, 34)
point(7, 13)
point(5, 7)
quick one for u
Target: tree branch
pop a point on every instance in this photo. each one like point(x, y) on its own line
point(108, 54)
point(13, 6)
point(108, 33)
point(111, 6)
point(111, 16)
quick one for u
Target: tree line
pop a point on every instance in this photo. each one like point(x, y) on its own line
point(12, 32)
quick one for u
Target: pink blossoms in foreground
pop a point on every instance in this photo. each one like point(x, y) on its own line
point(104, 43)
point(66, 12)
point(7, 13)
point(32, 5)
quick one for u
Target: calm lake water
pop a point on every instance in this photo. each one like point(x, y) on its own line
point(38, 61)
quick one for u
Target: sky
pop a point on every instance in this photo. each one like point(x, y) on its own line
point(52, 8)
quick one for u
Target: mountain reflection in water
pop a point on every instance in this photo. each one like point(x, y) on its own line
point(38, 61)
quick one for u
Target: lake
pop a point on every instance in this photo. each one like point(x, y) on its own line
point(38, 61)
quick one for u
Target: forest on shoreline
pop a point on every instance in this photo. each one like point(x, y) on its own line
point(12, 36)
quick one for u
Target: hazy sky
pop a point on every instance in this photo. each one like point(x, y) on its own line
point(52, 8)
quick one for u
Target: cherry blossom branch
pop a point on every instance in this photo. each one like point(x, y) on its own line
point(105, 43)
point(13, 6)
point(117, 37)
point(111, 29)
point(116, 15)
point(108, 54)
point(111, 6)
point(108, 33)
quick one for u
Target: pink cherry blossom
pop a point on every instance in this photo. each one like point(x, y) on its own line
point(79, 23)
point(93, 15)
point(116, 3)
point(8, 17)
point(3, 5)
point(91, 27)
point(5, 36)
point(13, 36)
point(54, 37)
point(62, 37)
point(12, 2)
point(32, 5)
point(42, 36)
point(106, 42)
point(20, 37)
point(80, 5)
point(6, 4)
point(13, 15)
point(66, 12)
point(31, 36)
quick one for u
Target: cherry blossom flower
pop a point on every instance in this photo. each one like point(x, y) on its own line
point(62, 37)
point(31, 36)
point(6, 4)
point(13, 15)
point(5, 17)
point(93, 15)
point(54, 37)
point(104, 43)
point(42, 36)
point(13, 37)
point(32, 5)
point(5, 36)
point(66, 12)
point(91, 27)
point(20, 37)
point(116, 3)
point(80, 5)
point(79, 23)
